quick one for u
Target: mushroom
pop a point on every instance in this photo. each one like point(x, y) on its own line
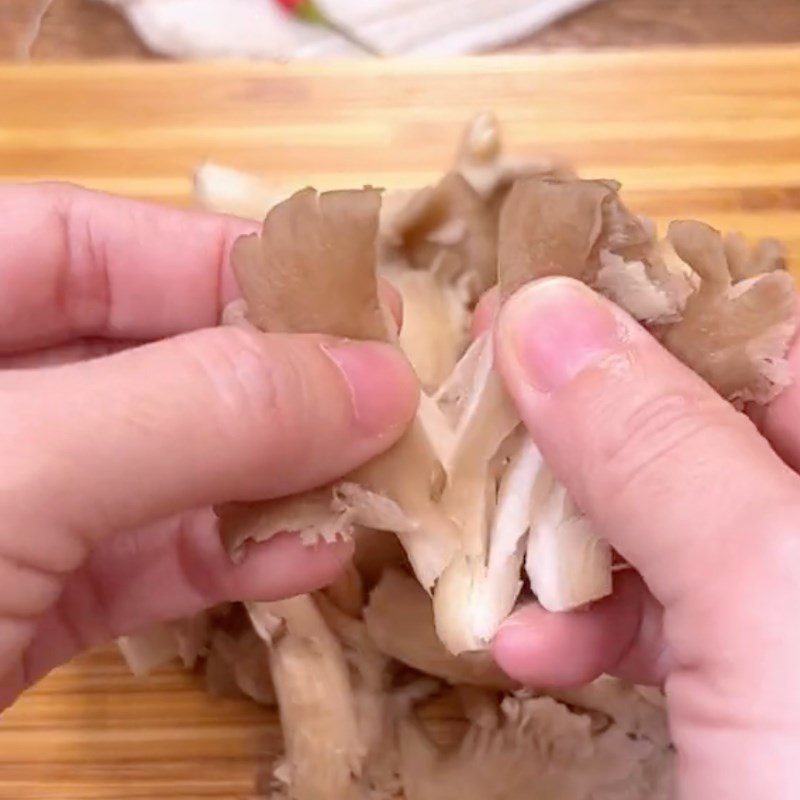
point(462, 517)
point(734, 333)
point(533, 747)
point(314, 247)
point(230, 191)
point(399, 619)
point(324, 748)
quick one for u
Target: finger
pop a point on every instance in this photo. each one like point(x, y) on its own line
point(169, 571)
point(81, 264)
point(620, 635)
point(485, 312)
point(780, 420)
point(393, 300)
point(209, 417)
point(76, 263)
point(671, 474)
point(86, 349)
point(59, 355)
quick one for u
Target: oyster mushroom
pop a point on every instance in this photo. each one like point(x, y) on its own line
point(328, 242)
point(462, 515)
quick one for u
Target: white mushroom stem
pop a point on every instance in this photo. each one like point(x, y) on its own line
point(150, 649)
point(501, 586)
point(487, 419)
point(232, 192)
point(567, 563)
point(324, 751)
point(435, 322)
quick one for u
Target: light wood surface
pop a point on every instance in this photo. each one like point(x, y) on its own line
point(714, 135)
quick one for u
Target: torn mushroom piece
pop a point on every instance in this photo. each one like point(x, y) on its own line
point(533, 747)
point(469, 601)
point(480, 155)
point(703, 297)
point(734, 334)
point(629, 285)
point(346, 593)
point(501, 584)
point(378, 707)
point(552, 227)
point(568, 565)
point(238, 664)
point(489, 170)
point(149, 649)
point(339, 711)
point(324, 751)
point(581, 229)
point(399, 620)
point(184, 639)
point(744, 261)
point(312, 248)
point(435, 322)
point(448, 230)
point(639, 710)
point(230, 191)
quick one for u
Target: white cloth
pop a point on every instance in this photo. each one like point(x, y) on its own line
point(262, 29)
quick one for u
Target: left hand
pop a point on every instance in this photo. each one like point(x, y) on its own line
point(110, 464)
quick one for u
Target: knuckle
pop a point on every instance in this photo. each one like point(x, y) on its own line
point(236, 368)
point(83, 284)
point(650, 434)
point(265, 392)
point(195, 564)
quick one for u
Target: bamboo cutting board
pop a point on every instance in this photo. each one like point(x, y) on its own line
point(710, 134)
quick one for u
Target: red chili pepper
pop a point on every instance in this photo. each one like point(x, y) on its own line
point(308, 11)
point(305, 9)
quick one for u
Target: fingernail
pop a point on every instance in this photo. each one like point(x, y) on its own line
point(383, 387)
point(555, 329)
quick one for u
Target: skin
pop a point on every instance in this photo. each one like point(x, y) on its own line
point(696, 499)
point(126, 415)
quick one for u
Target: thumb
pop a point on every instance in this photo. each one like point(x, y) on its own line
point(678, 482)
point(672, 475)
point(208, 417)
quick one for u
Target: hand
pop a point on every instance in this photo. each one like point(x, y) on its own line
point(109, 466)
point(688, 491)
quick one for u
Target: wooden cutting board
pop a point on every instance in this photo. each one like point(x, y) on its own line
point(708, 134)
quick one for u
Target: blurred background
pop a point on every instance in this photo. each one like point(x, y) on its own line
point(148, 29)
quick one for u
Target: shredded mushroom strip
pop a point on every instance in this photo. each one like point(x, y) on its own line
point(462, 517)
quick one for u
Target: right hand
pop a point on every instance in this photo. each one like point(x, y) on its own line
point(695, 499)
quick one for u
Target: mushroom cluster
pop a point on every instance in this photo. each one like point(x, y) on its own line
point(462, 517)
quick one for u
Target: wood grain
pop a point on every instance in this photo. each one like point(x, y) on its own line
point(712, 134)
